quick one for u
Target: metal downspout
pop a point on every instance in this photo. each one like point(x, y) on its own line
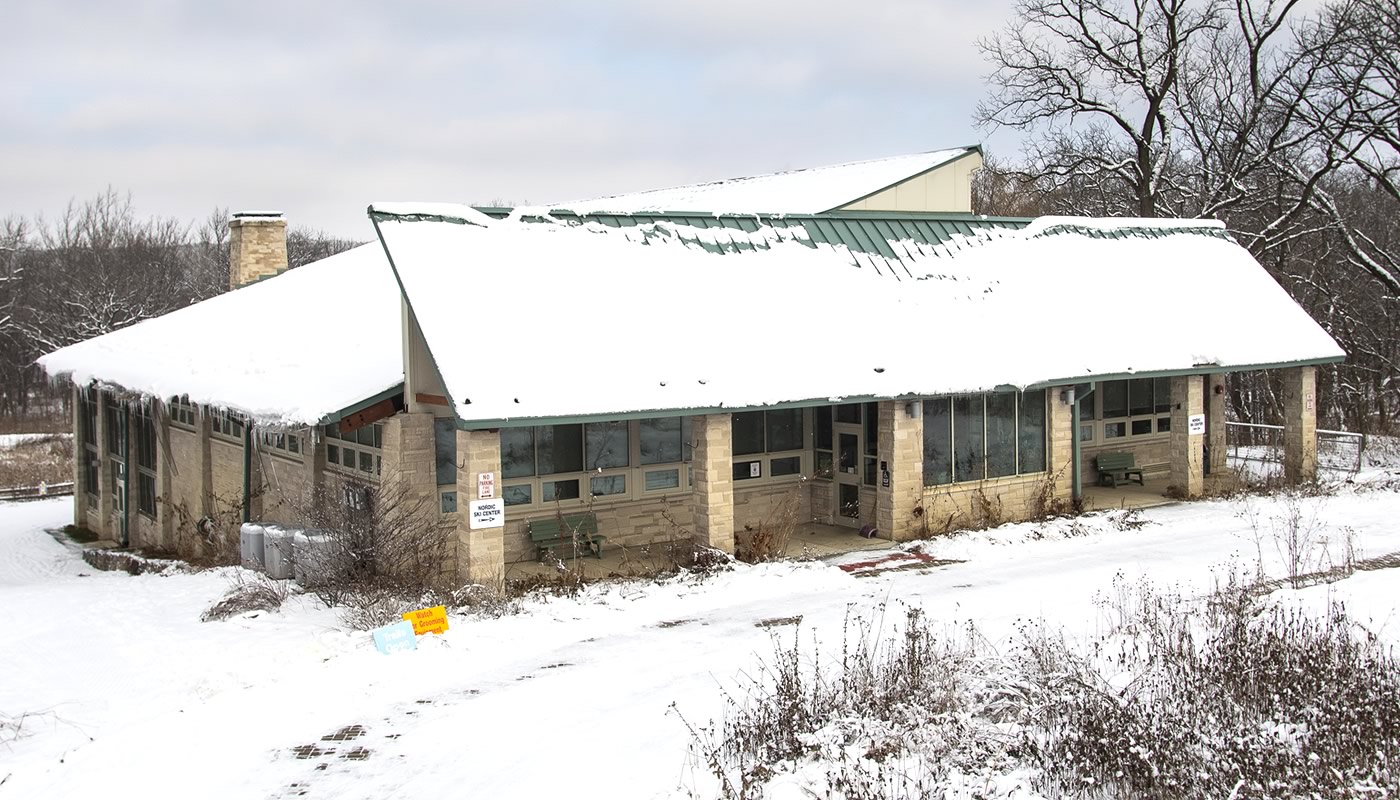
point(248, 472)
point(1076, 491)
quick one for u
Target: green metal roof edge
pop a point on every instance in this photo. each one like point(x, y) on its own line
point(500, 212)
point(1204, 369)
point(970, 149)
point(336, 416)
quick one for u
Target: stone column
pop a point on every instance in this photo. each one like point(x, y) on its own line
point(481, 552)
point(1216, 447)
point(901, 452)
point(1187, 450)
point(1059, 447)
point(204, 429)
point(166, 468)
point(1300, 424)
point(713, 490)
point(409, 461)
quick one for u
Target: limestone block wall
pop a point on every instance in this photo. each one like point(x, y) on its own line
point(713, 482)
point(1187, 450)
point(977, 504)
point(757, 505)
point(901, 449)
point(480, 553)
point(286, 487)
point(630, 524)
point(225, 476)
point(1300, 424)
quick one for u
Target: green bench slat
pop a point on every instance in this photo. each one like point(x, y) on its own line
point(551, 532)
point(1114, 467)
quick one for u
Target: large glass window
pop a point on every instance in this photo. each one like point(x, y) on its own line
point(747, 429)
point(760, 432)
point(550, 463)
point(445, 450)
point(938, 441)
point(969, 444)
point(1001, 434)
point(358, 451)
point(1031, 432)
point(145, 462)
point(559, 448)
point(1127, 407)
point(971, 437)
point(517, 453)
point(606, 445)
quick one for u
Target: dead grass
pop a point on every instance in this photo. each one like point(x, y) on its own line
point(48, 459)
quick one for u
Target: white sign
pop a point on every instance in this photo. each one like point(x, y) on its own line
point(1308, 402)
point(487, 513)
point(756, 469)
point(1196, 425)
point(486, 485)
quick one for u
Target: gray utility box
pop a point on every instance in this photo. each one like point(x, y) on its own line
point(250, 544)
point(278, 554)
point(316, 561)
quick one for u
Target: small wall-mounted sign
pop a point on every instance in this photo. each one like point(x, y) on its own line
point(1307, 402)
point(885, 479)
point(486, 485)
point(395, 638)
point(1196, 425)
point(427, 620)
point(487, 513)
point(756, 469)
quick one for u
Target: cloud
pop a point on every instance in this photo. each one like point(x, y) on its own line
point(320, 108)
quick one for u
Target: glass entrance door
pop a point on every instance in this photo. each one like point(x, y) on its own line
point(847, 473)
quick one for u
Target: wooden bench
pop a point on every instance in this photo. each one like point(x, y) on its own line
point(1116, 467)
point(565, 530)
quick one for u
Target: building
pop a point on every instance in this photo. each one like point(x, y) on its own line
point(850, 338)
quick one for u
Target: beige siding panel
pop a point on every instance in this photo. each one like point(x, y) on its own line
point(947, 188)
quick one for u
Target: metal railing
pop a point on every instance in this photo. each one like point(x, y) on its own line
point(1341, 451)
point(36, 492)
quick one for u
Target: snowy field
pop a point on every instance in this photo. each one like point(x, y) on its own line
point(119, 690)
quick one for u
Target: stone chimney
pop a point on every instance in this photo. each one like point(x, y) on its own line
point(257, 246)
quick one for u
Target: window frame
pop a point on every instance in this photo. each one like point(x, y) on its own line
point(634, 474)
point(948, 403)
point(766, 457)
point(336, 443)
point(1099, 426)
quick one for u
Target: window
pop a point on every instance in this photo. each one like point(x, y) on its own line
point(762, 433)
point(612, 459)
point(114, 418)
point(445, 453)
point(972, 437)
point(227, 424)
point(1127, 408)
point(283, 443)
point(92, 462)
point(182, 413)
point(146, 461)
point(359, 452)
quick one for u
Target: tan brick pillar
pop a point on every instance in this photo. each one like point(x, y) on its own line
point(1187, 450)
point(1300, 424)
point(409, 460)
point(901, 452)
point(1059, 445)
point(204, 427)
point(713, 490)
point(481, 553)
point(1216, 448)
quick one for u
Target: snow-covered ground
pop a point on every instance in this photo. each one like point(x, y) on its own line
point(125, 690)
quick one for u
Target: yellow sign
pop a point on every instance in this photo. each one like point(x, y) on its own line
point(428, 620)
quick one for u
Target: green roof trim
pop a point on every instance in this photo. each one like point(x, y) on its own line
point(874, 233)
point(361, 405)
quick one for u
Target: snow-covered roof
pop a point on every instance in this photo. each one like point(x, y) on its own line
point(287, 350)
point(801, 191)
point(591, 320)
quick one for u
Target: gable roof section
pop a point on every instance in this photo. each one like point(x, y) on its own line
point(292, 349)
point(802, 191)
point(599, 321)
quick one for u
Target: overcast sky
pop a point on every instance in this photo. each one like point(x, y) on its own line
point(318, 109)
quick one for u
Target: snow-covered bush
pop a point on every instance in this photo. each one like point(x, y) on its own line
point(1178, 698)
